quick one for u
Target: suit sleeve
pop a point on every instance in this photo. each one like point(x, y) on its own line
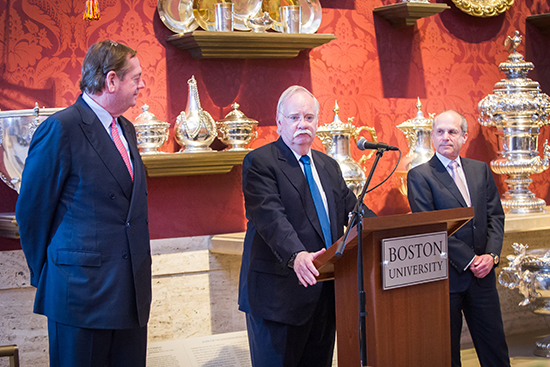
point(265, 208)
point(46, 168)
point(495, 216)
point(422, 199)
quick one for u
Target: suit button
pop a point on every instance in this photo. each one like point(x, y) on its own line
point(127, 224)
point(112, 196)
point(474, 227)
point(125, 256)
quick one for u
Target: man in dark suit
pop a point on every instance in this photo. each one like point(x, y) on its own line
point(82, 215)
point(290, 318)
point(474, 249)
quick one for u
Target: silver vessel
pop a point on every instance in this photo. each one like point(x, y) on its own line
point(236, 130)
point(418, 133)
point(529, 272)
point(151, 133)
point(336, 138)
point(517, 109)
point(16, 130)
point(195, 128)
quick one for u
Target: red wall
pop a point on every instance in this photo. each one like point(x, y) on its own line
point(376, 72)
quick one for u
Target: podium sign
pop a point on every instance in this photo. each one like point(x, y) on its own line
point(414, 259)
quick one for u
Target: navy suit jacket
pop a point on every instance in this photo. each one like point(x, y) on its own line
point(431, 187)
point(282, 221)
point(83, 223)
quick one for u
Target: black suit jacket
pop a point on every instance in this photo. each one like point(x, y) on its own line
point(83, 223)
point(430, 187)
point(282, 221)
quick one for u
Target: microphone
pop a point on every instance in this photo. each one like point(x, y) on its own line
point(363, 144)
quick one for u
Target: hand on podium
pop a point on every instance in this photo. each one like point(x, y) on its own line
point(304, 268)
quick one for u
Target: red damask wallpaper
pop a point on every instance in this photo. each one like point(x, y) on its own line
point(374, 71)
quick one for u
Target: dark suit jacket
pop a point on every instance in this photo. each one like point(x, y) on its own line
point(281, 221)
point(83, 223)
point(430, 187)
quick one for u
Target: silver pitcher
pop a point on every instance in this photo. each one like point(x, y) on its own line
point(336, 138)
point(529, 272)
point(195, 128)
point(16, 130)
point(518, 110)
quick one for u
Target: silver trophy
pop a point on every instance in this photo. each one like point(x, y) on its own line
point(418, 133)
point(529, 272)
point(518, 110)
point(16, 130)
point(336, 138)
point(195, 128)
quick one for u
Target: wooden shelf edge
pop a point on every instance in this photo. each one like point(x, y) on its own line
point(204, 44)
point(541, 22)
point(406, 14)
point(186, 164)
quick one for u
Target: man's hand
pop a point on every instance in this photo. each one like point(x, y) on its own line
point(482, 265)
point(304, 268)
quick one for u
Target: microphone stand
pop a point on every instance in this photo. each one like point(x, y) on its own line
point(357, 216)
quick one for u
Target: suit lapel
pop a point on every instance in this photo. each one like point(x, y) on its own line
point(102, 143)
point(441, 173)
point(292, 170)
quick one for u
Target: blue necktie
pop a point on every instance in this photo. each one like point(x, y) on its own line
point(317, 200)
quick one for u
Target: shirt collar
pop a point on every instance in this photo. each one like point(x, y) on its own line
point(101, 113)
point(445, 161)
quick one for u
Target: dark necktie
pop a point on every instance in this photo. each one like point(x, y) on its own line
point(121, 148)
point(317, 200)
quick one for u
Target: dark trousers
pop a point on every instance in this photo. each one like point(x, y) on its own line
point(78, 347)
point(273, 344)
point(481, 308)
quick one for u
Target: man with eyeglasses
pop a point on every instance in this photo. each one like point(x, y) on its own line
point(82, 215)
point(449, 181)
point(297, 204)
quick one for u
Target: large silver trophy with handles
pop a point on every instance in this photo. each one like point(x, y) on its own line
point(518, 110)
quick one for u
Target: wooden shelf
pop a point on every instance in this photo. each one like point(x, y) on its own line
point(406, 14)
point(246, 45)
point(540, 21)
point(184, 164)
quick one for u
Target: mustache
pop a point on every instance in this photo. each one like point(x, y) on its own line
point(301, 131)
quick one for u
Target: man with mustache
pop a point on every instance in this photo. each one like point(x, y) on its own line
point(297, 204)
point(449, 181)
point(82, 215)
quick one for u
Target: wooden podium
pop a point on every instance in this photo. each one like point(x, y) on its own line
point(407, 326)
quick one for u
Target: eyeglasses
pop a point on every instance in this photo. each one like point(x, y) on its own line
point(309, 118)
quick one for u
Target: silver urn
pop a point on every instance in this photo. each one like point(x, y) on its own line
point(236, 130)
point(195, 128)
point(517, 109)
point(529, 272)
point(151, 133)
point(16, 130)
point(336, 138)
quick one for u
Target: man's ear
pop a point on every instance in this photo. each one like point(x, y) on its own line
point(111, 81)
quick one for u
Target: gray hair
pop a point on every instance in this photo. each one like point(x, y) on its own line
point(463, 122)
point(289, 92)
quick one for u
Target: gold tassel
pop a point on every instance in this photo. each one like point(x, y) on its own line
point(92, 10)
